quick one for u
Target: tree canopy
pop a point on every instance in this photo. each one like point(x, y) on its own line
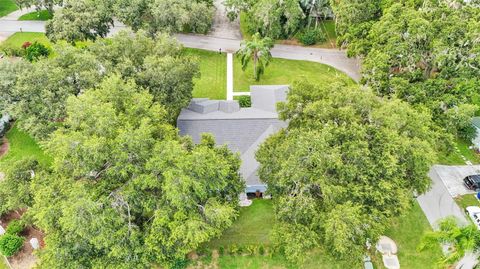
point(125, 191)
point(347, 163)
point(80, 20)
point(36, 94)
point(424, 52)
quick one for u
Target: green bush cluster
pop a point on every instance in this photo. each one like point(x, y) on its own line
point(245, 101)
point(30, 51)
point(36, 51)
point(15, 227)
point(11, 242)
point(243, 250)
point(311, 36)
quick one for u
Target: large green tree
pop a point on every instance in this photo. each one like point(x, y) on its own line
point(36, 94)
point(424, 52)
point(347, 163)
point(80, 20)
point(125, 191)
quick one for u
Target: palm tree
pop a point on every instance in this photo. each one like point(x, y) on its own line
point(258, 50)
point(459, 239)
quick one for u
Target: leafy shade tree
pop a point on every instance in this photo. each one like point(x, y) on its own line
point(36, 94)
point(258, 51)
point(347, 163)
point(80, 20)
point(40, 4)
point(15, 190)
point(429, 58)
point(121, 170)
point(460, 239)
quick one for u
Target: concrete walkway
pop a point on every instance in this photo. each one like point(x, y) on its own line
point(229, 76)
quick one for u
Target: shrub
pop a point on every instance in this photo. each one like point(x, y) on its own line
point(233, 249)
point(240, 250)
point(12, 51)
point(10, 244)
point(261, 250)
point(15, 227)
point(36, 51)
point(221, 250)
point(245, 101)
point(251, 249)
point(311, 36)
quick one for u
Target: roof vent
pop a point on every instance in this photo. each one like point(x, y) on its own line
point(229, 106)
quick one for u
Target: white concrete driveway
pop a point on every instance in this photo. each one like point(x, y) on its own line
point(438, 203)
point(452, 177)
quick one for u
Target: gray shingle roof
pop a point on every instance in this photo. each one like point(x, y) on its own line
point(242, 130)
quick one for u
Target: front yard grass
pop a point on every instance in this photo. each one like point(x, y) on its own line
point(283, 71)
point(17, 39)
point(7, 7)
point(21, 145)
point(42, 15)
point(213, 74)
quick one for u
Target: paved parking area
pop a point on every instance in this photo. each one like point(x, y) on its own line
point(437, 203)
point(452, 177)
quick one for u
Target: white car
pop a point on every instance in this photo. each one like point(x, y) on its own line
point(474, 214)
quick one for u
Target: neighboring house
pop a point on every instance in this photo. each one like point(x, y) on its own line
point(476, 140)
point(243, 130)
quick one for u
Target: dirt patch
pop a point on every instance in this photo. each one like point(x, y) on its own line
point(4, 146)
point(24, 259)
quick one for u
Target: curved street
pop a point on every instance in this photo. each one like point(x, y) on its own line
point(333, 57)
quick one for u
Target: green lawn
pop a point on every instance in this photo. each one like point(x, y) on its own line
point(7, 7)
point(328, 28)
point(17, 39)
point(282, 71)
point(3, 263)
point(42, 15)
point(213, 71)
point(21, 146)
point(255, 223)
point(407, 231)
point(454, 157)
point(467, 200)
point(252, 226)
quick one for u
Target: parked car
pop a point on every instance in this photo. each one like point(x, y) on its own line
point(472, 182)
point(474, 213)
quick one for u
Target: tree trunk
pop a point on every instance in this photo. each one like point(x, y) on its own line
point(255, 59)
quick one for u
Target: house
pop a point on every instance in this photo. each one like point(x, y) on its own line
point(243, 130)
point(476, 125)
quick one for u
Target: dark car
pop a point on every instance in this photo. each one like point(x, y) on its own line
point(472, 182)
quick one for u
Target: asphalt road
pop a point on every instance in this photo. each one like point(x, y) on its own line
point(437, 203)
point(333, 57)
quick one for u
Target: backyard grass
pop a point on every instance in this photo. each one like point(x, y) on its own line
point(467, 200)
point(283, 71)
point(253, 226)
point(455, 157)
point(7, 7)
point(42, 15)
point(213, 74)
point(255, 223)
point(21, 146)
